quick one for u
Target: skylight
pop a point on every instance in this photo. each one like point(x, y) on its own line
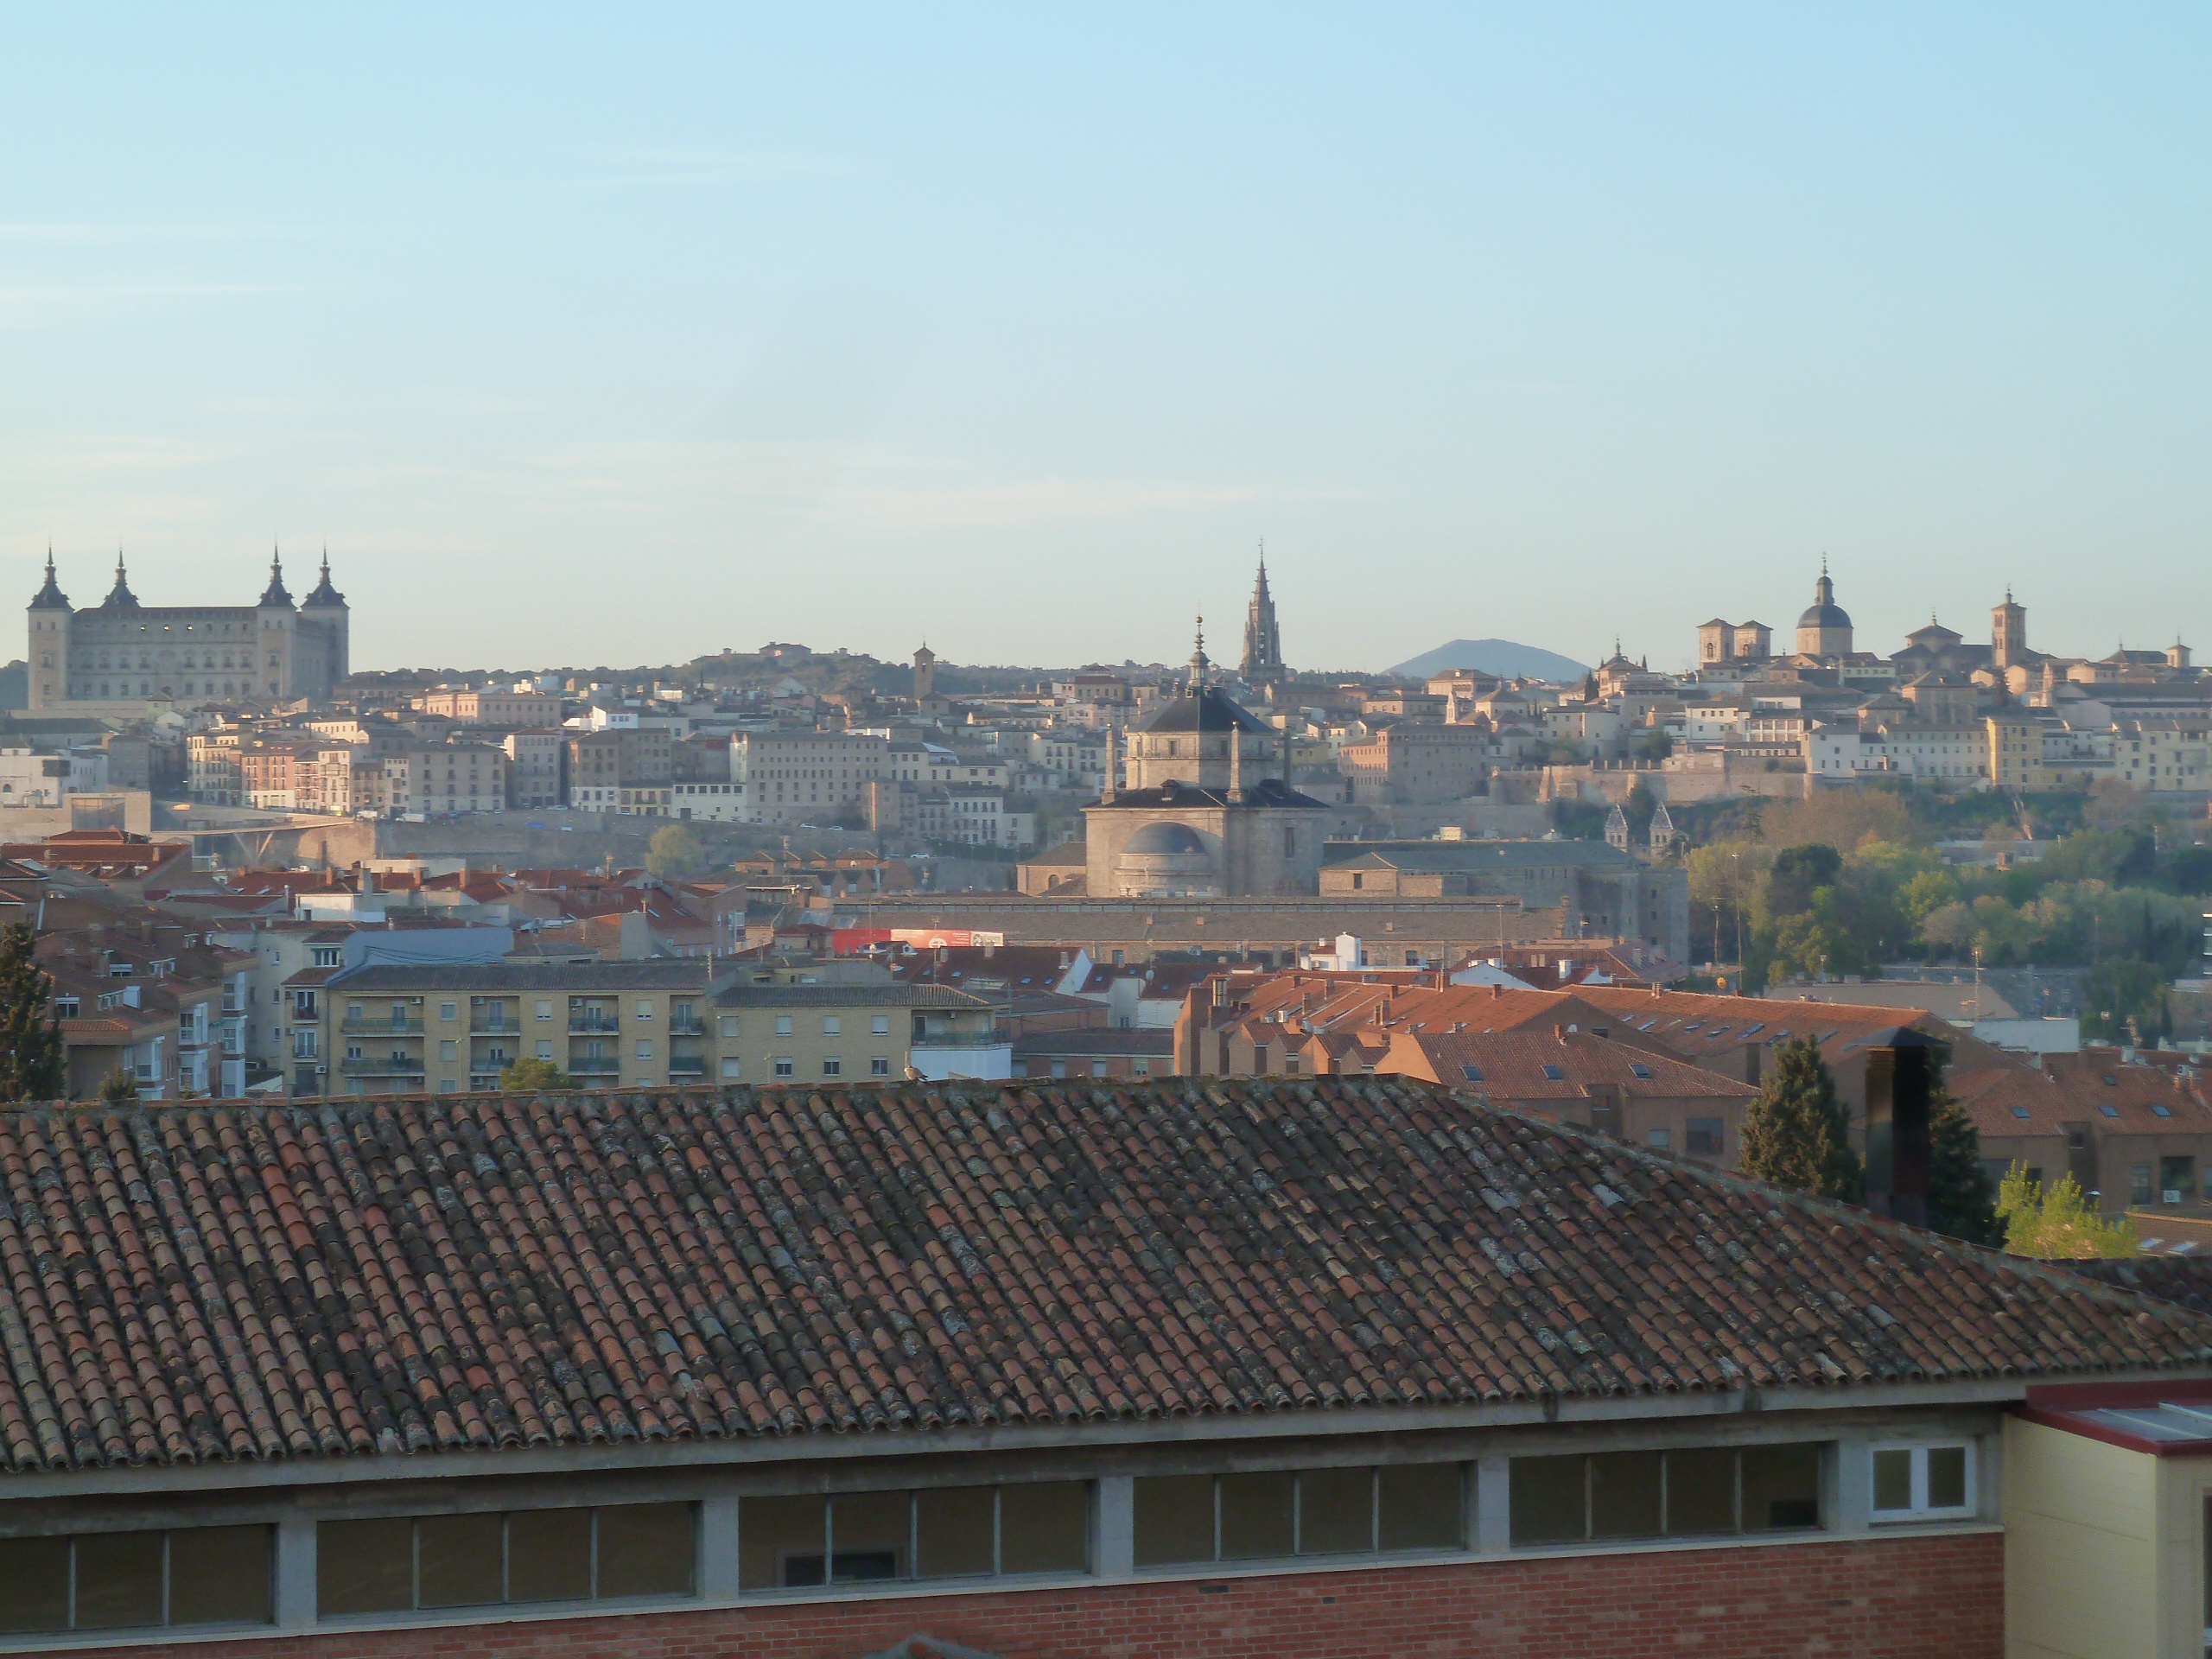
point(1472, 1073)
point(2020, 1112)
point(1640, 1070)
point(2109, 1111)
point(1555, 1074)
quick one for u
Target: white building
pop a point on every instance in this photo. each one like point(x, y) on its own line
point(32, 776)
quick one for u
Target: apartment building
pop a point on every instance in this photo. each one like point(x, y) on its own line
point(535, 758)
point(444, 778)
point(47, 777)
point(387, 1028)
point(154, 1000)
point(213, 774)
point(1416, 761)
point(805, 777)
point(603, 763)
point(493, 706)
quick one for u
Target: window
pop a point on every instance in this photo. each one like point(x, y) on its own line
point(783, 1025)
point(1917, 1482)
point(473, 1560)
point(1553, 1073)
point(1638, 1069)
point(2139, 1184)
point(119, 1581)
point(878, 1025)
point(544, 1009)
point(644, 1008)
point(544, 1051)
point(1472, 1073)
point(800, 1542)
point(2176, 1178)
point(1692, 1492)
point(785, 1067)
point(321, 956)
point(733, 1069)
point(1703, 1137)
point(448, 1011)
point(448, 1048)
point(1659, 1140)
point(832, 1025)
point(878, 1066)
point(730, 1026)
point(1189, 1519)
point(833, 1068)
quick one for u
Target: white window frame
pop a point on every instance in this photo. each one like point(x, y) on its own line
point(783, 1066)
point(1920, 1509)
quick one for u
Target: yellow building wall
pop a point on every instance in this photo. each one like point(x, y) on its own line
point(2081, 1559)
point(2183, 1484)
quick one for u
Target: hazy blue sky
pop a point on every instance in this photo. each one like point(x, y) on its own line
point(618, 335)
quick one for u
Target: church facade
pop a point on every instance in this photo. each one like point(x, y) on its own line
point(1204, 808)
point(121, 652)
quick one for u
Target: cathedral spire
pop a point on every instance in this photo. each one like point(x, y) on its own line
point(1262, 663)
point(324, 593)
point(50, 597)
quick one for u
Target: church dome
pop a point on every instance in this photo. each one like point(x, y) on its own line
point(1164, 860)
point(1164, 838)
point(1206, 710)
point(1824, 612)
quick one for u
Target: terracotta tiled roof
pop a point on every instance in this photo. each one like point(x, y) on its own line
point(364, 1277)
point(1511, 1065)
point(2030, 1100)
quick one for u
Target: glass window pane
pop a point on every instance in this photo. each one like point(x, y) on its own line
point(1420, 1506)
point(1782, 1487)
point(1700, 1492)
point(548, 1555)
point(1257, 1511)
point(1546, 1501)
point(646, 1550)
point(953, 1531)
point(1044, 1527)
point(1336, 1510)
point(1174, 1519)
point(220, 1575)
point(1893, 1479)
point(782, 1543)
point(459, 1560)
point(1947, 1476)
point(868, 1536)
point(118, 1580)
point(1624, 1494)
point(34, 1585)
point(364, 1566)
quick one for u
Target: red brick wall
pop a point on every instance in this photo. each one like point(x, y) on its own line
point(1932, 1598)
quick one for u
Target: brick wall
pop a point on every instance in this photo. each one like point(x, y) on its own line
point(1939, 1598)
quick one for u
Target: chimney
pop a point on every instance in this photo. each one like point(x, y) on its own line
point(1560, 1032)
point(1753, 1056)
point(1901, 1070)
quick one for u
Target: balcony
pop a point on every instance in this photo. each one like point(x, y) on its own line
point(687, 1065)
point(602, 1065)
point(367, 1027)
point(609, 1023)
point(686, 1025)
point(383, 1065)
point(495, 1028)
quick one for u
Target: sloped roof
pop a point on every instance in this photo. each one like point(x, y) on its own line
point(364, 1277)
point(1510, 1065)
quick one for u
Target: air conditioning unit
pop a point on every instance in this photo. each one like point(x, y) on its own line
point(2172, 1195)
point(321, 1071)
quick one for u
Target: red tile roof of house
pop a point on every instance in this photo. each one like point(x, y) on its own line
point(200, 1283)
point(1511, 1066)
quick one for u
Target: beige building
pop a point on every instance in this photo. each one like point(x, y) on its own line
point(1416, 762)
point(493, 706)
point(122, 652)
point(806, 777)
point(388, 1029)
point(444, 777)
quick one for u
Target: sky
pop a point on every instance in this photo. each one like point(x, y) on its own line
point(617, 335)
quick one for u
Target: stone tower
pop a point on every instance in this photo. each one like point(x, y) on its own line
point(1263, 664)
point(50, 616)
point(2008, 633)
point(924, 674)
point(325, 608)
point(1825, 629)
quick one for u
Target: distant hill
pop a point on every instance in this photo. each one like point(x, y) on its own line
point(1501, 657)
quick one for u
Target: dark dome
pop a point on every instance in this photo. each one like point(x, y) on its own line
point(1205, 711)
point(1824, 616)
point(1164, 838)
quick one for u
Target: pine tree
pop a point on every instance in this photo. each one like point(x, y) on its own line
point(1961, 1201)
point(1796, 1135)
point(33, 1064)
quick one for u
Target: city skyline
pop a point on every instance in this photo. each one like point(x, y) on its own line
point(1019, 333)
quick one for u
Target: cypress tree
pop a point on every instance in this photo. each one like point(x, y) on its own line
point(1797, 1135)
point(1961, 1198)
point(33, 1064)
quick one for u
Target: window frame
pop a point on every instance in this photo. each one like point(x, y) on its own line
point(1919, 1509)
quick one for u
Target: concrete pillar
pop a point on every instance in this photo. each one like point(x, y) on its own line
point(295, 1572)
point(718, 1549)
point(1493, 1528)
point(1117, 1530)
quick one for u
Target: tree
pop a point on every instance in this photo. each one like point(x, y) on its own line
point(1798, 873)
point(677, 854)
point(119, 1087)
point(1796, 1135)
point(527, 1076)
point(2059, 1223)
point(1961, 1202)
point(33, 1064)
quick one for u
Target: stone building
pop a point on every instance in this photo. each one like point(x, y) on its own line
point(1825, 628)
point(122, 652)
point(1205, 808)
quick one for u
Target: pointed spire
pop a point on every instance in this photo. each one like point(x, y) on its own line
point(324, 593)
point(120, 598)
point(50, 597)
point(276, 595)
point(1198, 660)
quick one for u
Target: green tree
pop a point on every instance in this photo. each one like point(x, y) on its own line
point(2058, 1223)
point(677, 854)
point(119, 1087)
point(1961, 1202)
point(33, 1064)
point(1798, 873)
point(530, 1076)
point(1796, 1135)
